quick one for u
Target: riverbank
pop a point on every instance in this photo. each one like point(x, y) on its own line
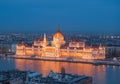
point(73, 60)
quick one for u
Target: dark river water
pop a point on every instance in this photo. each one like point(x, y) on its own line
point(101, 74)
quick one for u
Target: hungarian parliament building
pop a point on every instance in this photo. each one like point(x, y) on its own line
point(59, 48)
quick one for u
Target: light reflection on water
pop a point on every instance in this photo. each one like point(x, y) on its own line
point(101, 74)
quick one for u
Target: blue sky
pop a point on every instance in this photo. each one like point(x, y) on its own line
point(84, 16)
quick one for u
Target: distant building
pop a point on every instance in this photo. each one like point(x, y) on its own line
point(19, 77)
point(112, 51)
point(12, 77)
point(57, 78)
point(27, 77)
point(5, 48)
point(59, 48)
point(13, 48)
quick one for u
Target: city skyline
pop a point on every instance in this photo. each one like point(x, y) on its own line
point(99, 17)
point(59, 41)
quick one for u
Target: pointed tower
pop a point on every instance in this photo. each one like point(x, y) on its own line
point(45, 38)
point(101, 52)
point(45, 42)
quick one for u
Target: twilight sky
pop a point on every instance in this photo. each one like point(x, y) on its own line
point(83, 16)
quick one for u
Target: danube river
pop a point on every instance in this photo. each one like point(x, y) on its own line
point(101, 74)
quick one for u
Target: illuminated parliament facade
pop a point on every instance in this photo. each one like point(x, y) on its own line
point(59, 48)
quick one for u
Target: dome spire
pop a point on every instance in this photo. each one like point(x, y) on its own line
point(58, 30)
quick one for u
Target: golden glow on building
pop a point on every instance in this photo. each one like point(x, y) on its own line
point(59, 48)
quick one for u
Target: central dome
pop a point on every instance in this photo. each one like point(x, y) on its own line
point(58, 35)
point(58, 39)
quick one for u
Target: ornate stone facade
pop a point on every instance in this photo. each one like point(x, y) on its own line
point(59, 48)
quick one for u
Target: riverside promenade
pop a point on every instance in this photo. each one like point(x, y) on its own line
point(69, 59)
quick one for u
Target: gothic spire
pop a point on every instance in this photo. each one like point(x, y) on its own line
point(45, 38)
point(58, 30)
